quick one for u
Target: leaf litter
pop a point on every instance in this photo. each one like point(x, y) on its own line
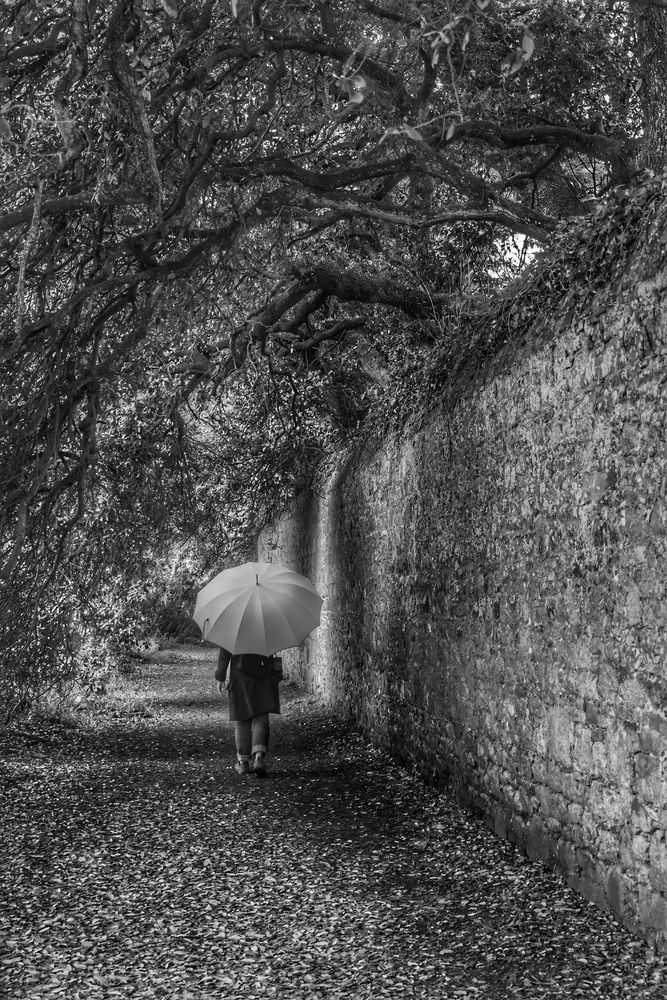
point(138, 864)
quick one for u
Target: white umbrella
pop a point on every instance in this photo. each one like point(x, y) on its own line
point(257, 608)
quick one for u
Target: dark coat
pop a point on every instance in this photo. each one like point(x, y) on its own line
point(249, 695)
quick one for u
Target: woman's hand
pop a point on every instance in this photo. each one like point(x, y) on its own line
point(220, 684)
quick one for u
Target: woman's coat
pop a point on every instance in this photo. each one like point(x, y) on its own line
point(252, 684)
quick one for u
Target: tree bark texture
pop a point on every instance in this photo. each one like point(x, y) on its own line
point(651, 28)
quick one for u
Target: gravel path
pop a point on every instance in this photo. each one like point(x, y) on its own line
point(137, 864)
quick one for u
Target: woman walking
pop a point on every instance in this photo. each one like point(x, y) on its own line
point(252, 684)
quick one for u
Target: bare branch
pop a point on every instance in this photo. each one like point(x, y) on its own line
point(600, 146)
point(373, 69)
point(334, 332)
point(25, 254)
point(352, 286)
point(75, 70)
point(514, 218)
point(19, 541)
point(127, 86)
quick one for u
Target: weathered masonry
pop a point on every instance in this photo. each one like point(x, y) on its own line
point(495, 586)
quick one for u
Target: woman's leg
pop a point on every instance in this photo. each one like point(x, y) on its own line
point(260, 733)
point(243, 736)
point(260, 742)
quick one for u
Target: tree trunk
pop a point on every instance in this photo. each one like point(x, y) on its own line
point(651, 28)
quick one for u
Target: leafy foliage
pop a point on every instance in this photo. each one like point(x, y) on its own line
point(229, 229)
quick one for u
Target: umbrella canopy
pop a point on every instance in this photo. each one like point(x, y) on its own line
point(257, 608)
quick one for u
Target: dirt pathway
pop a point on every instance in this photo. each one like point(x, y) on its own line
point(137, 864)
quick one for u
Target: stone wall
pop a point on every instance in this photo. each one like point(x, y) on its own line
point(495, 613)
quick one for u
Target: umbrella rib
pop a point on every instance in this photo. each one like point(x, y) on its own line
point(259, 606)
point(299, 595)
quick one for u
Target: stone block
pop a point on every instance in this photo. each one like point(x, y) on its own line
point(599, 756)
point(578, 835)
point(610, 806)
point(541, 845)
point(539, 770)
point(653, 733)
point(522, 802)
point(566, 854)
point(554, 825)
point(589, 827)
point(615, 891)
point(608, 846)
point(592, 713)
point(644, 819)
point(574, 813)
point(651, 789)
point(646, 765)
point(552, 804)
point(632, 612)
point(658, 850)
point(582, 754)
point(517, 832)
point(658, 881)
point(587, 862)
point(657, 856)
point(561, 735)
point(567, 783)
point(627, 859)
point(639, 846)
point(594, 890)
point(652, 908)
point(619, 746)
point(501, 821)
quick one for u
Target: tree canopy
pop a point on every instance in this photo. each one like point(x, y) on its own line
point(231, 229)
